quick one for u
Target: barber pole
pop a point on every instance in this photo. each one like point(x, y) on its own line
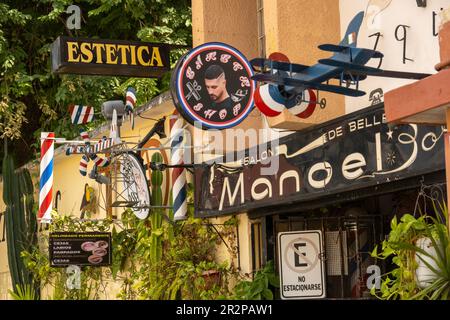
point(85, 136)
point(46, 177)
point(179, 192)
point(130, 103)
point(80, 114)
point(99, 161)
point(83, 165)
point(359, 259)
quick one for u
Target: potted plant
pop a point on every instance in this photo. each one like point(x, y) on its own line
point(211, 278)
point(420, 251)
point(425, 276)
point(260, 287)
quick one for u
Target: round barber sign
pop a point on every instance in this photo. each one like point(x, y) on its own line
point(212, 87)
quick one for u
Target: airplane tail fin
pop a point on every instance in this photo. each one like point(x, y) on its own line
point(352, 31)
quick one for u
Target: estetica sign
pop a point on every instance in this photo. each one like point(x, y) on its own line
point(109, 57)
point(352, 152)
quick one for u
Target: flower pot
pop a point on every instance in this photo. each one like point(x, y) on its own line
point(424, 275)
point(211, 277)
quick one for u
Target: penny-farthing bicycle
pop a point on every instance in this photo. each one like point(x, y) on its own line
point(127, 186)
point(119, 170)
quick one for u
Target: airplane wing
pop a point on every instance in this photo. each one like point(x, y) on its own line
point(333, 47)
point(262, 63)
point(363, 71)
point(400, 74)
point(334, 89)
point(350, 77)
point(385, 74)
point(307, 84)
point(350, 66)
point(341, 48)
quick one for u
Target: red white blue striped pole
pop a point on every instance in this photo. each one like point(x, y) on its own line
point(46, 176)
point(130, 103)
point(179, 190)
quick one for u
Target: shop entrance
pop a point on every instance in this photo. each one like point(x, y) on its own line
point(350, 232)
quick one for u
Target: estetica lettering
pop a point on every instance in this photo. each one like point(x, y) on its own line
point(114, 54)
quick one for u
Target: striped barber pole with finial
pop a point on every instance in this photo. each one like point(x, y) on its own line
point(46, 176)
point(85, 136)
point(83, 165)
point(179, 190)
point(91, 152)
point(99, 161)
point(130, 103)
point(80, 114)
point(359, 259)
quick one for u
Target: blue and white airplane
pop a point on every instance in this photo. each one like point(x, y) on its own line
point(292, 86)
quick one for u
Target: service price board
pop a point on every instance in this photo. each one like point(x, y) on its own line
point(80, 248)
point(301, 265)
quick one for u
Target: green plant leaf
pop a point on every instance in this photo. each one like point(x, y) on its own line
point(268, 295)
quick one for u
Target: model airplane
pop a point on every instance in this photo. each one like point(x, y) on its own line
point(292, 85)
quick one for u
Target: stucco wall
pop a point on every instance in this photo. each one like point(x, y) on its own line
point(229, 21)
point(296, 28)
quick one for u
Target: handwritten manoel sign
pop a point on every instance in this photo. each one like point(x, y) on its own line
point(301, 265)
point(109, 57)
point(211, 86)
point(353, 152)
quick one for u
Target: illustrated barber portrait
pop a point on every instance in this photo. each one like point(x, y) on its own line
point(216, 85)
point(212, 86)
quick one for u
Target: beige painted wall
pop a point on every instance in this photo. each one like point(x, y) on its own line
point(244, 261)
point(229, 21)
point(296, 28)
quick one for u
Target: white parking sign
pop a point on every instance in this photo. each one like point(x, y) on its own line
point(302, 267)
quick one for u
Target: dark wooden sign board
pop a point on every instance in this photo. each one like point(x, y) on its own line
point(349, 153)
point(109, 57)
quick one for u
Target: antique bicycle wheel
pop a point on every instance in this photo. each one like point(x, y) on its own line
point(127, 186)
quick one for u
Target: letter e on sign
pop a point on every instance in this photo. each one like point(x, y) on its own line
point(301, 265)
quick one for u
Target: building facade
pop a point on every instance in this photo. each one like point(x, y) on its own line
point(343, 171)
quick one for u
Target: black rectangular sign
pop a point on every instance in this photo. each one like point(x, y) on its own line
point(110, 57)
point(80, 248)
point(352, 152)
